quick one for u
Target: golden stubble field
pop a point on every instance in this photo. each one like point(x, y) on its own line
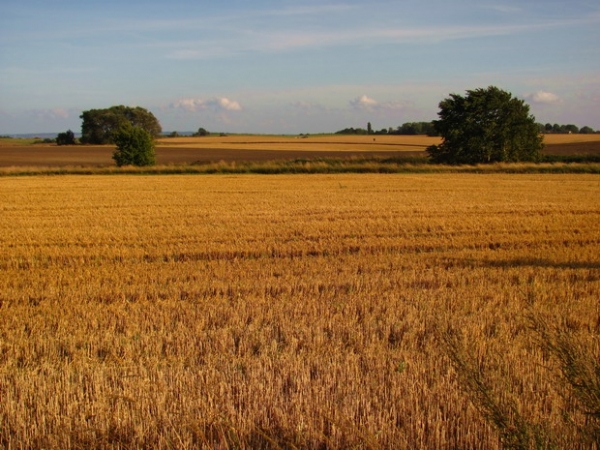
point(292, 311)
point(376, 141)
point(316, 143)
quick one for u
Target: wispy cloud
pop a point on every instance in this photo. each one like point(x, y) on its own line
point(242, 40)
point(45, 114)
point(367, 103)
point(503, 8)
point(50, 114)
point(309, 10)
point(59, 113)
point(219, 104)
point(307, 107)
point(228, 34)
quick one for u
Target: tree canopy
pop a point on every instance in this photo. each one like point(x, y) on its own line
point(564, 129)
point(99, 125)
point(485, 126)
point(408, 128)
point(201, 132)
point(135, 146)
point(66, 138)
point(416, 128)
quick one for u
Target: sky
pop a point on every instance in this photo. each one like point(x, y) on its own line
point(290, 67)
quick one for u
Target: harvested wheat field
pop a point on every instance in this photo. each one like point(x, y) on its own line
point(346, 311)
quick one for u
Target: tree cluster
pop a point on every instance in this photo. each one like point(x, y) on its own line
point(352, 130)
point(428, 129)
point(415, 128)
point(66, 138)
point(485, 126)
point(564, 129)
point(361, 131)
point(99, 125)
point(408, 128)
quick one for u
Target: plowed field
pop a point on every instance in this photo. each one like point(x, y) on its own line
point(258, 148)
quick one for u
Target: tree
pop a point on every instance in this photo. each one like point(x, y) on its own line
point(66, 138)
point(201, 132)
point(587, 130)
point(486, 126)
point(99, 125)
point(369, 128)
point(571, 129)
point(352, 131)
point(135, 146)
point(415, 128)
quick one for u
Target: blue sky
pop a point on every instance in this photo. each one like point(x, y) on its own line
point(292, 66)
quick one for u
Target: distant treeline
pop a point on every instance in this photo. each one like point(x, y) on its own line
point(428, 129)
point(409, 128)
point(565, 129)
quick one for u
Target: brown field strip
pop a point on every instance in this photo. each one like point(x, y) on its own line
point(292, 311)
point(259, 148)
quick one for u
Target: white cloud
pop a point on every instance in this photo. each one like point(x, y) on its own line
point(219, 104)
point(542, 97)
point(364, 102)
point(226, 104)
point(59, 113)
point(189, 104)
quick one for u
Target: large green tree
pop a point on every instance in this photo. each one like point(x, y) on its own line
point(485, 126)
point(135, 146)
point(99, 125)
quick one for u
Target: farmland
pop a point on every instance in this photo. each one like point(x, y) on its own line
point(346, 311)
point(229, 149)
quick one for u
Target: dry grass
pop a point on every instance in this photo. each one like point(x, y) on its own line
point(292, 312)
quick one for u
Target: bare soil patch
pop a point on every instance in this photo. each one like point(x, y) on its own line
point(573, 148)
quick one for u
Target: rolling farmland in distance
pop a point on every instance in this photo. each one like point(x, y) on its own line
point(235, 148)
point(322, 311)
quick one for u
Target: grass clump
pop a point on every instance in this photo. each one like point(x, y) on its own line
point(579, 382)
